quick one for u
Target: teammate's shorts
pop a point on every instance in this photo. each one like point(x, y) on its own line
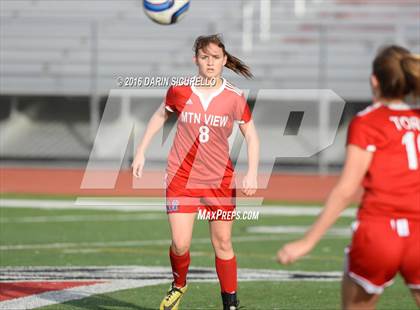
point(213, 202)
point(381, 248)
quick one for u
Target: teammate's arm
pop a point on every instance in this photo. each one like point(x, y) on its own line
point(250, 181)
point(355, 167)
point(154, 125)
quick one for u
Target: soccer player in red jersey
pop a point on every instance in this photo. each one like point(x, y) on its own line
point(200, 174)
point(383, 153)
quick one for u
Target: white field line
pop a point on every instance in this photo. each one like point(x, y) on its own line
point(133, 243)
point(133, 272)
point(83, 218)
point(295, 230)
point(242, 201)
point(112, 203)
point(127, 277)
point(144, 206)
point(89, 205)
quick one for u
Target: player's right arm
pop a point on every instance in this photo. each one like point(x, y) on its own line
point(355, 167)
point(155, 124)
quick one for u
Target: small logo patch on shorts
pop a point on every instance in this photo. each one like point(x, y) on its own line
point(172, 206)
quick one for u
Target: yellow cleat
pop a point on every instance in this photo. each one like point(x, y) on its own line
point(172, 298)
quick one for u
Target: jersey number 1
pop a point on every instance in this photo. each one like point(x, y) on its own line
point(409, 140)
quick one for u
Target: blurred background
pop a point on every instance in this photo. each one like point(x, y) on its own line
point(59, 61)
point(62, 113)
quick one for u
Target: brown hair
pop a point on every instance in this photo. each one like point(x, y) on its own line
point(233, 63)
point(397, 71)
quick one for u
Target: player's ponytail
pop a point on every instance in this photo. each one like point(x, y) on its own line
point(411, 67)
point(233, 63)
point(397, 72)
point(237, 66)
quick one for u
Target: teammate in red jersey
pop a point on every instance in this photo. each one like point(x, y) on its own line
point(383, 153)
point(200, 174)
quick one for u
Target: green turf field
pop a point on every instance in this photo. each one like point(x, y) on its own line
point(50, 237)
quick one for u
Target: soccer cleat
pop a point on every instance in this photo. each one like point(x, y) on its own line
point(230, 301)
point(172, 298)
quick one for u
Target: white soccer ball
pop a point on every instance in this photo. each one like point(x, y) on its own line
point(166, 12)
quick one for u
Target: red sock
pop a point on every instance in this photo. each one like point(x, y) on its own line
point(227, 273)
point(179, 265)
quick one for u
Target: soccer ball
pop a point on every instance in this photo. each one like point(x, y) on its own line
point(165, 12)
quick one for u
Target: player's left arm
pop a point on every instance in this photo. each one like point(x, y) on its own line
point(249, 186)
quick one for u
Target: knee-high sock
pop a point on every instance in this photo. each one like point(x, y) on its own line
point(227, 272)
point(179, 265)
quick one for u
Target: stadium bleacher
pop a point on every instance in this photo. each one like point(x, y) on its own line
point(78, 48)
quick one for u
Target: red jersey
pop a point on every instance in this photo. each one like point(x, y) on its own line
point(200, 150)
point(392, 183)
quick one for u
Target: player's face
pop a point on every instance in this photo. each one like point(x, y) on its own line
point(210, 61)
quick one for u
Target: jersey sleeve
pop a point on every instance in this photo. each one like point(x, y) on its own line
point(177, 97)
point(242, 113)
point(170, 100)
point(363, 134)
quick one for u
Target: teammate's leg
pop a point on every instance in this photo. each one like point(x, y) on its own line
point(181, 225)
point(221, 239)
point(365, 276)
point(354, 297)
point(226, 268)
point(410, 267)
point(416, 295)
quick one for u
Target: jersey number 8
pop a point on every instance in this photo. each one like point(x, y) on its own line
point(204, 134)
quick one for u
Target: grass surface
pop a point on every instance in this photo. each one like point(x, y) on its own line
point(101, 238)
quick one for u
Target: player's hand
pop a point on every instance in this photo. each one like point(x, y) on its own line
point(292, 251)
point(138, 164)
point(249, 184)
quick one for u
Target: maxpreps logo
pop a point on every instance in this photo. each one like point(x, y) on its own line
point(172, 206)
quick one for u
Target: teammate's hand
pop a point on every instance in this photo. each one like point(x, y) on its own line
point(138, 164)
point(249, 185)
point(292, 251)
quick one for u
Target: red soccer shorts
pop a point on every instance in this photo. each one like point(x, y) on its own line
point(380, 249)
point(217, 202)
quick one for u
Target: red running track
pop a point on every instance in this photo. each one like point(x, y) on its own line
point(49, 181)
point(12, 290)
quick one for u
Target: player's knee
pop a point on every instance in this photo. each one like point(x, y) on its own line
point(223, 244)
point(180, 247)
